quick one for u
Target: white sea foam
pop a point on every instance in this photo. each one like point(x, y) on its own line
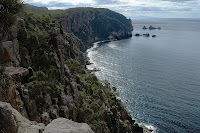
point(148, 128)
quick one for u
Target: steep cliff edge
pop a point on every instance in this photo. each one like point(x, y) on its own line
point(90, 24)
point(45, 78)
point(13, 122)
point(95, 24)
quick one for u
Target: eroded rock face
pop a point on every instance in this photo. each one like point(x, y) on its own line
point(7, 120)
point(11, 121)
point(62, 125)
point(9, 48)
point(90, 26)
point(17, 73)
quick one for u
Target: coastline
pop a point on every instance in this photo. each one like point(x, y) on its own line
point(146, 128)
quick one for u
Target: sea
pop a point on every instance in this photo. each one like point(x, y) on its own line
point(157, 78)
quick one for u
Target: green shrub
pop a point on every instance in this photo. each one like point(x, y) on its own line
point(9, 9)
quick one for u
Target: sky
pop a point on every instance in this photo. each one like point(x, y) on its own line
point(132, 8)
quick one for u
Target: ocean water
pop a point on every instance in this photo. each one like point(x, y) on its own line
point(158, 79)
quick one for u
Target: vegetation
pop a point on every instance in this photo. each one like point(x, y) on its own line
point(8, 11)
point(99, 107)
point(102, 21)
point(40, 84)
point(52, 52)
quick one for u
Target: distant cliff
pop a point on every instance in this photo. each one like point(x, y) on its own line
point(95, 24)
point(43, 74)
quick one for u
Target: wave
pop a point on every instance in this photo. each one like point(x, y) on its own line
point(148, 128)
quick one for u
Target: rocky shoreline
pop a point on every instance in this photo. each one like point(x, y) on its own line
point(145, 128)
point(43, 75)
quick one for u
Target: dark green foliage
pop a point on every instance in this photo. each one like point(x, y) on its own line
point(41, 62)
point(39, 10)
point(104, 22)
point(8, 11)
point(75, 66)
point(34, 9)
point(40, 84)
point(99, 107)
point(34, 37)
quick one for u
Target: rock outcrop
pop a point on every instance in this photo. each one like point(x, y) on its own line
point(62, 125)
point(9, 48)
point(13, 122)
point(45, 76)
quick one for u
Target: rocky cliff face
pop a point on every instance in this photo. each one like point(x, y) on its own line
point(45, 78)
point(13, 122)
point(91, 25)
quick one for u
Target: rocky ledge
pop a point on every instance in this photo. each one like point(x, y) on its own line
point(13, 122)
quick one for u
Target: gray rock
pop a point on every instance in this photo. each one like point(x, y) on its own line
point(7, 120)
point(7, 51)
point(62, 125)
point(45, 118)
point(66, 99)
point(48, 101)
point(16, 122)
point(20, 23)
point(17, 73)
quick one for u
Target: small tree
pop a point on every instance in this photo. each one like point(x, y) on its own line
point(8, 11)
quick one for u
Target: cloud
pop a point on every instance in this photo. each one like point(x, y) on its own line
point(72, 2)
point(131, 8)
point(181, 1)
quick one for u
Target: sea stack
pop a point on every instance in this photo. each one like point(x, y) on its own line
point(144, 28)
point(151, 27)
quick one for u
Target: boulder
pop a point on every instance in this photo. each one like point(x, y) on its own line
point(7, 120)
point(13, 122)
point(62, 125)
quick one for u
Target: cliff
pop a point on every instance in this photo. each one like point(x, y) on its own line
point(13, 122)
point(43, 76)
point(90, 24)
point(95, 24)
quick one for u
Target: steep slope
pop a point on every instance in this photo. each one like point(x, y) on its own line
point(95, 24)
point(44, 77)
point(90, 24)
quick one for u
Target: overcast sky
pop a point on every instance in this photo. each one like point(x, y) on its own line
point(132, 8)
